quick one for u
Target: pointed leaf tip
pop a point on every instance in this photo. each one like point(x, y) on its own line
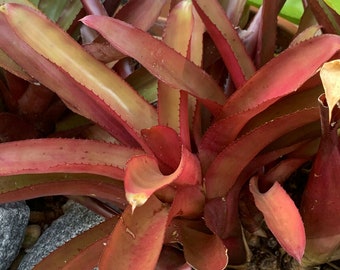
point(282, 218)
point(136, 199)
point(330, 73)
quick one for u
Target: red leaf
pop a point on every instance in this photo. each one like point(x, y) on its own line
point(282, 218)
point(162, 61)
point(221, 216)
point(284, 78)
point(224, 170)
point(143, 177)
point(202, 250)
point(81, 252)
point(262, 90)
point(188, 202)
point(172, 258)
point(166, 145)
point(139, 13)
point(180, 17)
point(320, 204)
point(29, 186)
point(137, 239)
point(93, 87)
point(267, 36)
point(12, 126)
point(227, 41)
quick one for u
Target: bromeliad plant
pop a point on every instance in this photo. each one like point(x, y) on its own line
point(227, 111)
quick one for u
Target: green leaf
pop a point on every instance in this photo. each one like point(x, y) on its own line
point(325, 16)
point(69, 14)
point(53, 9)
point(292, 10)
point(334, 4)
point(144, 83)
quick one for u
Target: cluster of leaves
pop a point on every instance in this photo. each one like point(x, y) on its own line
point(195, 124)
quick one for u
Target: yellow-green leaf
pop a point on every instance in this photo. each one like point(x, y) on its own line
point(334, 4)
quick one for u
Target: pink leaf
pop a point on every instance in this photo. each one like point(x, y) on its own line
point(64, 155)
point(282, 218)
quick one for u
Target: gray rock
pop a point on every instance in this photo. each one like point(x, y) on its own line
point(76, 220)
point(13, 221)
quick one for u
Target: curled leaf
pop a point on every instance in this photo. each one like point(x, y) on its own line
point(282, 218)
point(143, 176)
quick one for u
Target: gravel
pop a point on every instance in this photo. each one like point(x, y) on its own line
point(77, 219)
point(14, 217)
